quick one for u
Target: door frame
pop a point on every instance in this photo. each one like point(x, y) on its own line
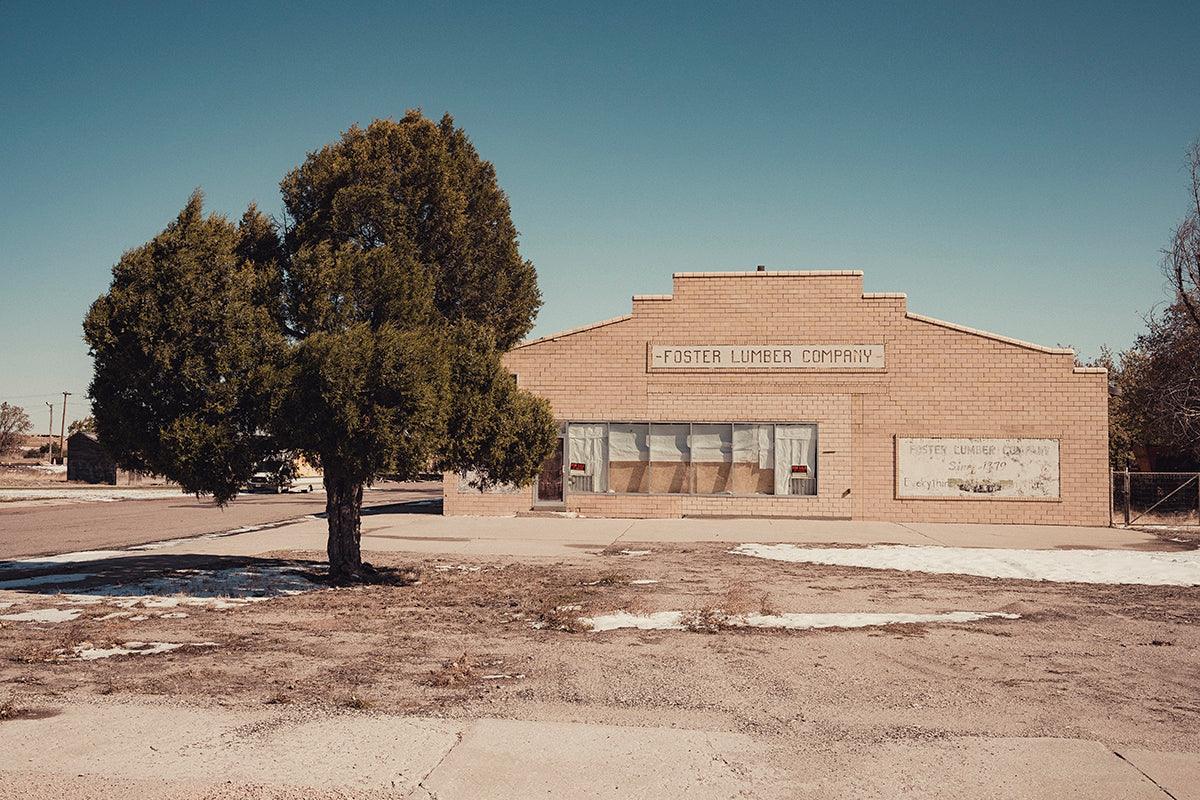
point(562, 501)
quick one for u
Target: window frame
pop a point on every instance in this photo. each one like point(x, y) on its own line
point(691, 472)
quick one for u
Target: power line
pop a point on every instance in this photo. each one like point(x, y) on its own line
point(32, 396)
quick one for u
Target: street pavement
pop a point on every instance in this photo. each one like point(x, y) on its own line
point(32, 530)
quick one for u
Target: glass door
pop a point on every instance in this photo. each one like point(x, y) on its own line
point(549, 487)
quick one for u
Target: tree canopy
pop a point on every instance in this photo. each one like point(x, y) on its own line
point(365, 332)
point(14, 424)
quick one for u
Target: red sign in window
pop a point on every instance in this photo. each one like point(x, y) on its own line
point(799, 469)
point(577, 467)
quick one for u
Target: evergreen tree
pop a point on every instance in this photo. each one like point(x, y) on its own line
point(367, 337)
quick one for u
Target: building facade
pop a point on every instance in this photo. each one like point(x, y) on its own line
point(88, 461)
point(796, 394)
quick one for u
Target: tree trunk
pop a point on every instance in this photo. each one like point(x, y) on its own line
point(343, 508)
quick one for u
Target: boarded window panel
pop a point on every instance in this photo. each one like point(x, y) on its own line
point(753, 468)
point(670, 456)
point(712, 458)
point(628, 457)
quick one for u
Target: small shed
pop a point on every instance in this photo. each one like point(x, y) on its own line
point(87, 461)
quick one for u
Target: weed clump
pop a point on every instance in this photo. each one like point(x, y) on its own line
point(457, 672)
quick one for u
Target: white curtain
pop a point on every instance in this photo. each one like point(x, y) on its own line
point(795, 445)
point(627, 442)
point(586, 445)
point(669, 443)
point(752, 445)
point(712, 443)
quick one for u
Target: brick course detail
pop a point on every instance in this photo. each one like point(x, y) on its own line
point(940, 380)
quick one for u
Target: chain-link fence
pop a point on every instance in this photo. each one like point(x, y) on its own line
point(1156, 498)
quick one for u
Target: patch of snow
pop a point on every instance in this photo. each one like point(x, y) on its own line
point(44, 615)
point(643, 582)
point(658, 621)
point(7, 605)
point(63, 558)
point(1065, 566)
point(80, 599)
point(635, 552)
point(500, 676)
point(88, 495)
point(174, 615)
point(674, 620)
point(139, 618)
point(46, 580)
point(158, 545)
point(85, 652)
point(218, 588)
point(113, 615)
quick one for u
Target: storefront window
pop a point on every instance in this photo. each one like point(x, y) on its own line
point(795, 460)
point(712, 459)
point(628, 457)
point(587, 451)
point(738, 458)
point(670, 459)
point(753, 459)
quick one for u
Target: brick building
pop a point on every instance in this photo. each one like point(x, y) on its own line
point(796, 394)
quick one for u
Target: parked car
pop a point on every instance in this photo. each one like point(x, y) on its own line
point(277, 477)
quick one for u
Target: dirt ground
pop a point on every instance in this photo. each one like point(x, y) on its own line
point(465, 638)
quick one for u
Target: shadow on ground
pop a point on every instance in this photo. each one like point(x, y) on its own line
point(192, 575)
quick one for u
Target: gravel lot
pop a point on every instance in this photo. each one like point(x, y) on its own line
point(467, 638)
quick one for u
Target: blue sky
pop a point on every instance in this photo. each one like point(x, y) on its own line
point(1011, 166)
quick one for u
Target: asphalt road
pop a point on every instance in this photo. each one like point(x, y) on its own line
point(31, 530)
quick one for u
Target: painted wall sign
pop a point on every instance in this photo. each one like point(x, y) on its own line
point(766, 356)
point(977, 469)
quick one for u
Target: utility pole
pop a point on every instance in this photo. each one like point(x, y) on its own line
point(50, 435)
point(62, 431)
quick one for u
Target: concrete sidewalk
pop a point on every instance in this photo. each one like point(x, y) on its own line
point(153, 752)
point(562, 536)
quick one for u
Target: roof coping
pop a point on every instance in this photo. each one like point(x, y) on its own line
point(570, 331)
point(779, 273)
point(989, 335)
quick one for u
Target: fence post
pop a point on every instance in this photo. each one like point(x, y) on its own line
point(1126, 494)
point(1198, 498)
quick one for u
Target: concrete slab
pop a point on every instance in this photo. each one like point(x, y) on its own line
point(564, 536)
point(148, 743)
point(797, 531)
point(989, 769)
point(1177, 773)
point(506, 759)
point(1036, 537)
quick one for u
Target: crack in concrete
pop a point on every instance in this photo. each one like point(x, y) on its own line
point(1145, 775)
point(919, 533)
point(621, 535)
point(429, 793)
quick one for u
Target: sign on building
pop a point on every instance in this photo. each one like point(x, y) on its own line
point(977, 469)
point(766, 356)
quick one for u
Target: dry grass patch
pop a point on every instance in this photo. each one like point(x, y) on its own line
point(453, 673)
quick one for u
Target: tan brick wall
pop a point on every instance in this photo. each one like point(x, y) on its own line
point(939, 381)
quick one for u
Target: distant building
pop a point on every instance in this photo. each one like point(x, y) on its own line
point(87, 461)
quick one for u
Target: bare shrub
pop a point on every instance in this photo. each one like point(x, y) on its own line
point(457, 672)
